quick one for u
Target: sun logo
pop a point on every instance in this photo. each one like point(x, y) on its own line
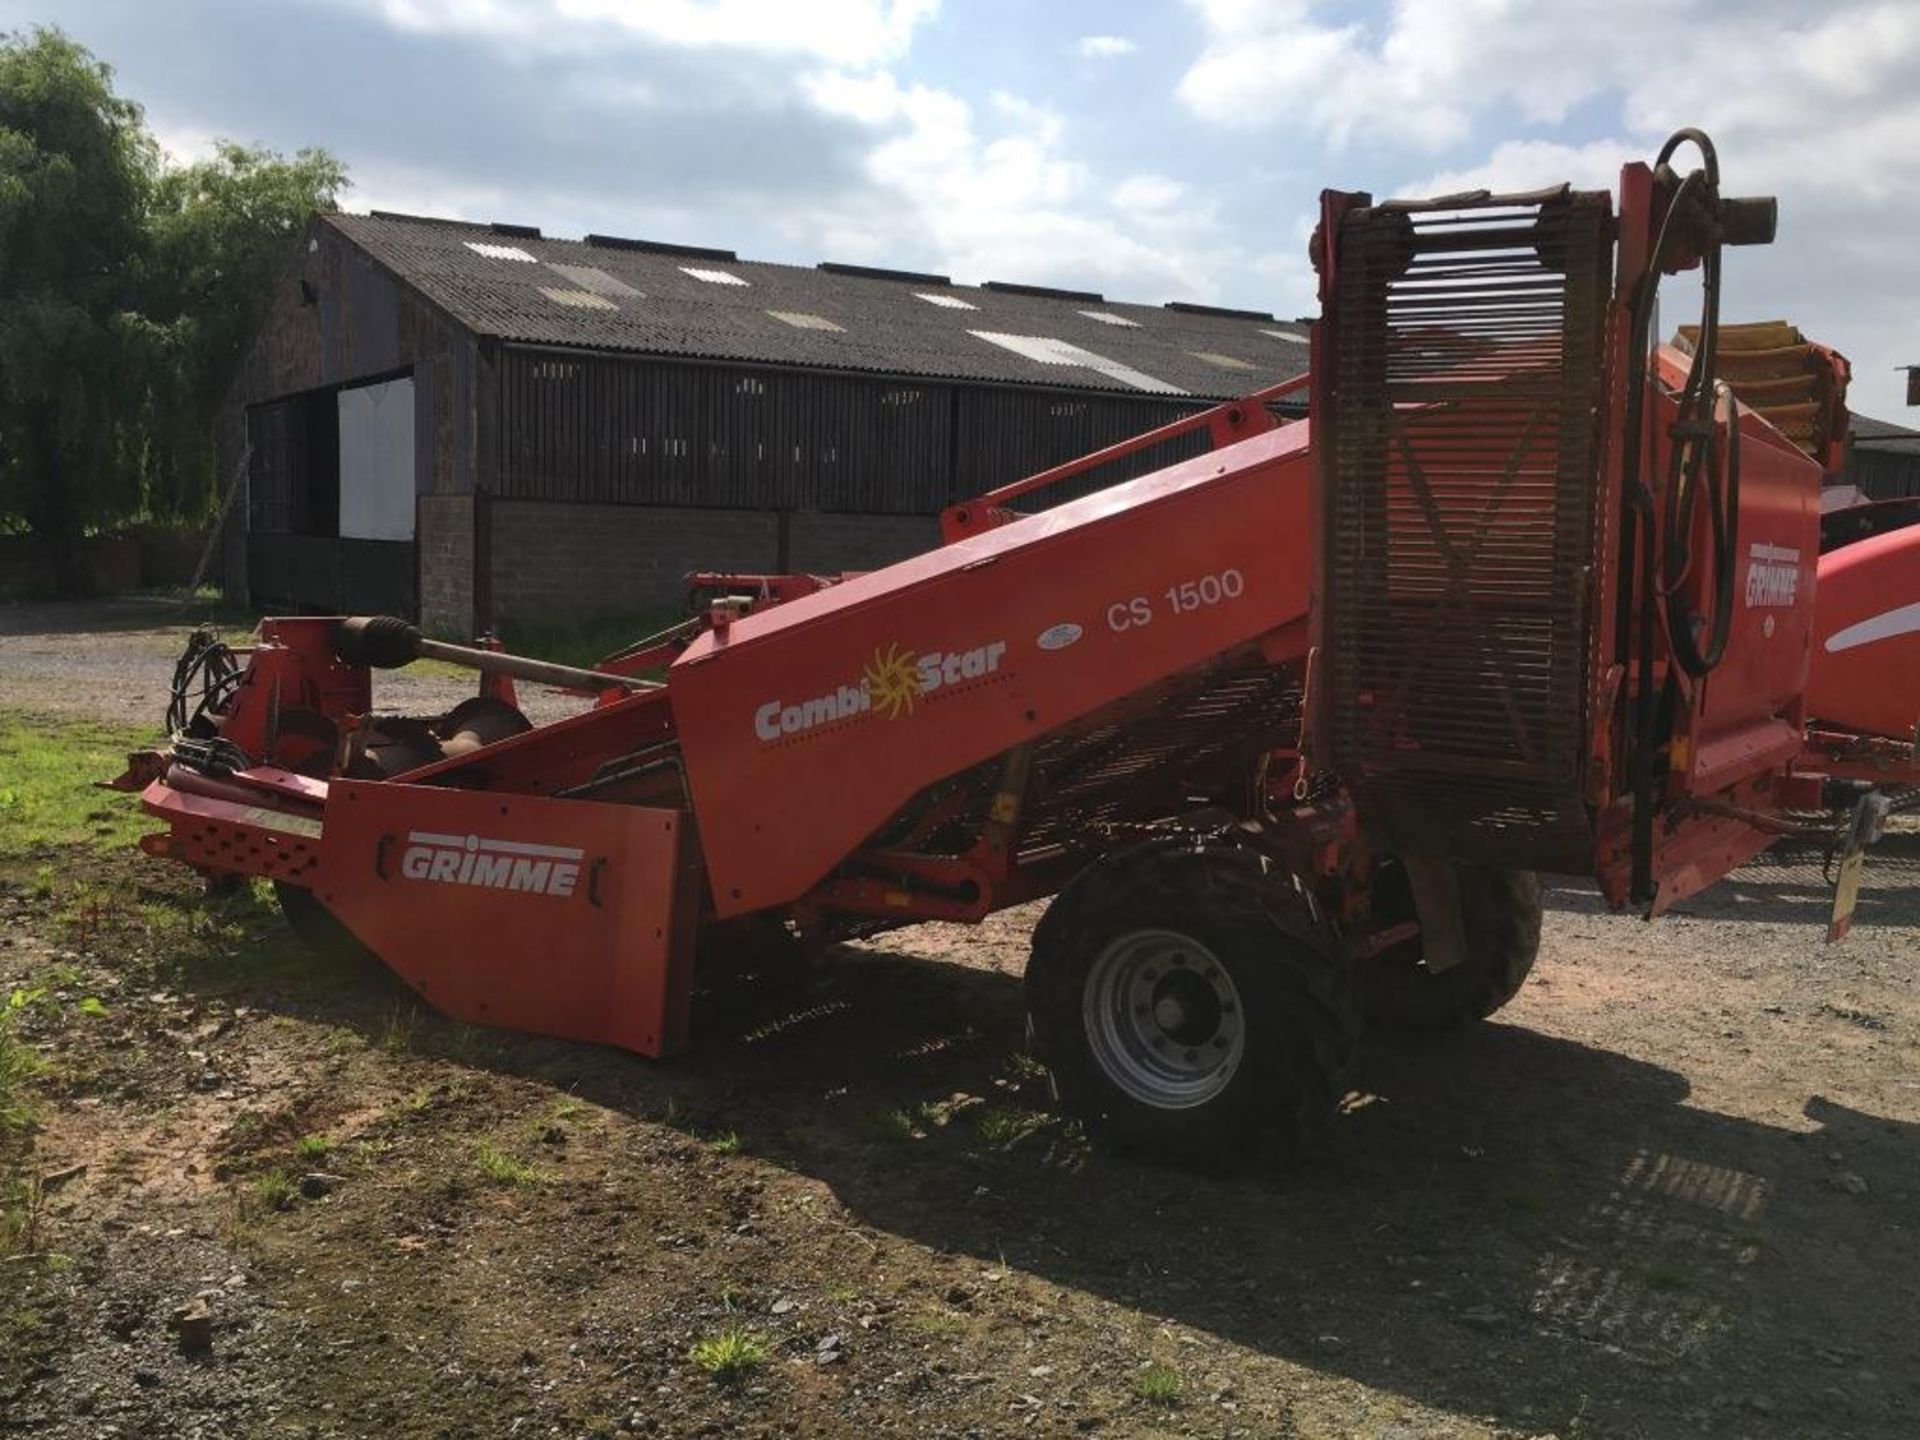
point(893, 681)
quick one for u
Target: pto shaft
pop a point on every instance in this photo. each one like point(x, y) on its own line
point(387, 642)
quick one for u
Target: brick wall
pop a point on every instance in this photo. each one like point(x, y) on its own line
point(443, 533)
point(826, 544)
point(554, 558)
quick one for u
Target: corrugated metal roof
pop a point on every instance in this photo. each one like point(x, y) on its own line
point(1872, 434)
point(661, 300)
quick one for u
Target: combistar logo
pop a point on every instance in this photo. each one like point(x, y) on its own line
point(492, 864)
point(893, 682)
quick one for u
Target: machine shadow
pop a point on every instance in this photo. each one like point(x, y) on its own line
point(1504, 1224)
point(1789, 885)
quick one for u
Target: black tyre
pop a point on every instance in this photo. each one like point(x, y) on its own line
point(318, 927)
point(1189, 1005)
point(1500, 915)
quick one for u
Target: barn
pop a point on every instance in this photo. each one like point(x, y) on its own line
point(475, 423)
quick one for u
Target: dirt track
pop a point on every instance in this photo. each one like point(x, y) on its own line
point(1670, 1193)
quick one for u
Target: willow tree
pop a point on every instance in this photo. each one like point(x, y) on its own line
point(77, 170)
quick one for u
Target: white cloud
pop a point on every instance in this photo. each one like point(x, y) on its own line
point(996, 192)
point(1105, 47)
point(1147, 192)
point(840, 32)
point(1812, 103)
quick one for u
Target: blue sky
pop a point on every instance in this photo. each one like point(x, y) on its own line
point(1153, 151)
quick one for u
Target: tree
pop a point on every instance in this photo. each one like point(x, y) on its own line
point(77, 170)
point(128, 292)
point(221, 233)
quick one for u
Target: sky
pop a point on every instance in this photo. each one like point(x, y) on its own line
point(1152, 151)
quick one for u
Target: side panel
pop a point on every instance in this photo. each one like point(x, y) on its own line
point(1747, 718)
point(1866, 659)
point(563, 918)
point(806, 727)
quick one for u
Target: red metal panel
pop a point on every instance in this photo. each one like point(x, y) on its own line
point(564, 918)
point(805, 727)
point(1746, 714)
point(1866, 663)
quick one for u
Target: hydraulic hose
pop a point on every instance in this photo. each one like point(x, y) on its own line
point(1690, 472)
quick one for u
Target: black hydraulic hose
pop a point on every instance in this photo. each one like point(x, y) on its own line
point(1639, 536)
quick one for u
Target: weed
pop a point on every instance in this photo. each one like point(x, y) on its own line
point(313, 1147)
point(727, 1142)
point(21, 1206)
point(1002, 1127)
point(18, 1066)
point(270, 1192)
point(843, 1294)
point(502, 1169)
point(402, 1021)
point(730, 1354)
point(937, 1323)
point(1022, 1067)
point(566, 1107)
point(93, 1007)
point(1157, 1384)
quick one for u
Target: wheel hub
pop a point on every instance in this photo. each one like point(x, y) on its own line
point(1163, 1019)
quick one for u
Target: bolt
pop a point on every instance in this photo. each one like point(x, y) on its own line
point(1219, 1042)
point(1226, 1007)
point(1192, 1055)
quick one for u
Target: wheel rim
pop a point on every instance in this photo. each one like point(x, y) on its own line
point(1163, 1019)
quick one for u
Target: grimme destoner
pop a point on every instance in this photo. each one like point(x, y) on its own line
point(1287, 730)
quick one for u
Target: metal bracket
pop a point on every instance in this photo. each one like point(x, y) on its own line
point(1436, 900)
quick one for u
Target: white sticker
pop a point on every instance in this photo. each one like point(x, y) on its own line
point(1058, 637)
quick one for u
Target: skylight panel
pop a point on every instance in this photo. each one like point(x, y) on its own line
point(1286, 335)
point(499, 252)
point(1047, 350)
point(1107, 317)
point(801, 320)
point(1225, 362)
point(946, 302)
point(712, 277)
point(596, 280)
point(577, 299)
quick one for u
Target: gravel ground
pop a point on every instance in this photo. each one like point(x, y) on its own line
point(1670, 1192)
point(111, 660)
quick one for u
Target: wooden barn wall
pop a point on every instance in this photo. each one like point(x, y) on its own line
point(575, 426)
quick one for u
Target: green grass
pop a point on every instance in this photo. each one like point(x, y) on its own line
point(583, 640)
point(47, 799)
point(313, 1147)
point(1157, 1384)
point(727, 1142)
point(502, 1168)
point(730, 1354)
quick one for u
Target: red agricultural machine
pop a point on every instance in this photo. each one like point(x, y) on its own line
point(1286, 729)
